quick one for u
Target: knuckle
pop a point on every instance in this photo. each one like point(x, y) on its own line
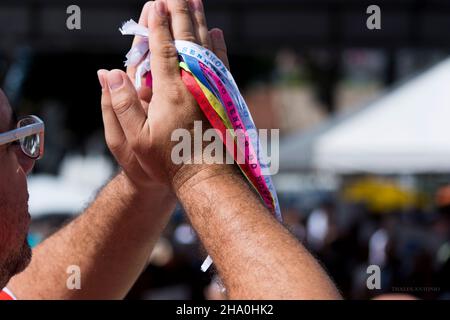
point(181, 10)
point(114, 146)
point(167, 50)
point(105, 106)
point(176, 96)
point(187, 36)
point(123, 103)
point(181, 7)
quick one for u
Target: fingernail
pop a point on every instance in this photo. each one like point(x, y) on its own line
point(101, 79)
point(161, 8)
point(217, 34)
point(115, 80)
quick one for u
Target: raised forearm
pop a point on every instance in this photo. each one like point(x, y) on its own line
point(110, 242)
point(255, 256)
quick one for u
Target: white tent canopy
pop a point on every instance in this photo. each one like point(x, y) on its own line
point(405, 131)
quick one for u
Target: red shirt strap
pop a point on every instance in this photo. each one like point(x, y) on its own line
point(5, 296)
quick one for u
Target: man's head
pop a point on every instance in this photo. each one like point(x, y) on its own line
point(15, 253)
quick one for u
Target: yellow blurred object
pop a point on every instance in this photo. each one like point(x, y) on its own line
point(381, 195)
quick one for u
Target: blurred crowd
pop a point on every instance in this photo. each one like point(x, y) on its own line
point(409, 245)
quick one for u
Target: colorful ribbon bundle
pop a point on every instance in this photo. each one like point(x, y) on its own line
point(217, 94)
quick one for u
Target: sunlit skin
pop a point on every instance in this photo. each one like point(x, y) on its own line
point(14, 217)
point(112, 240)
